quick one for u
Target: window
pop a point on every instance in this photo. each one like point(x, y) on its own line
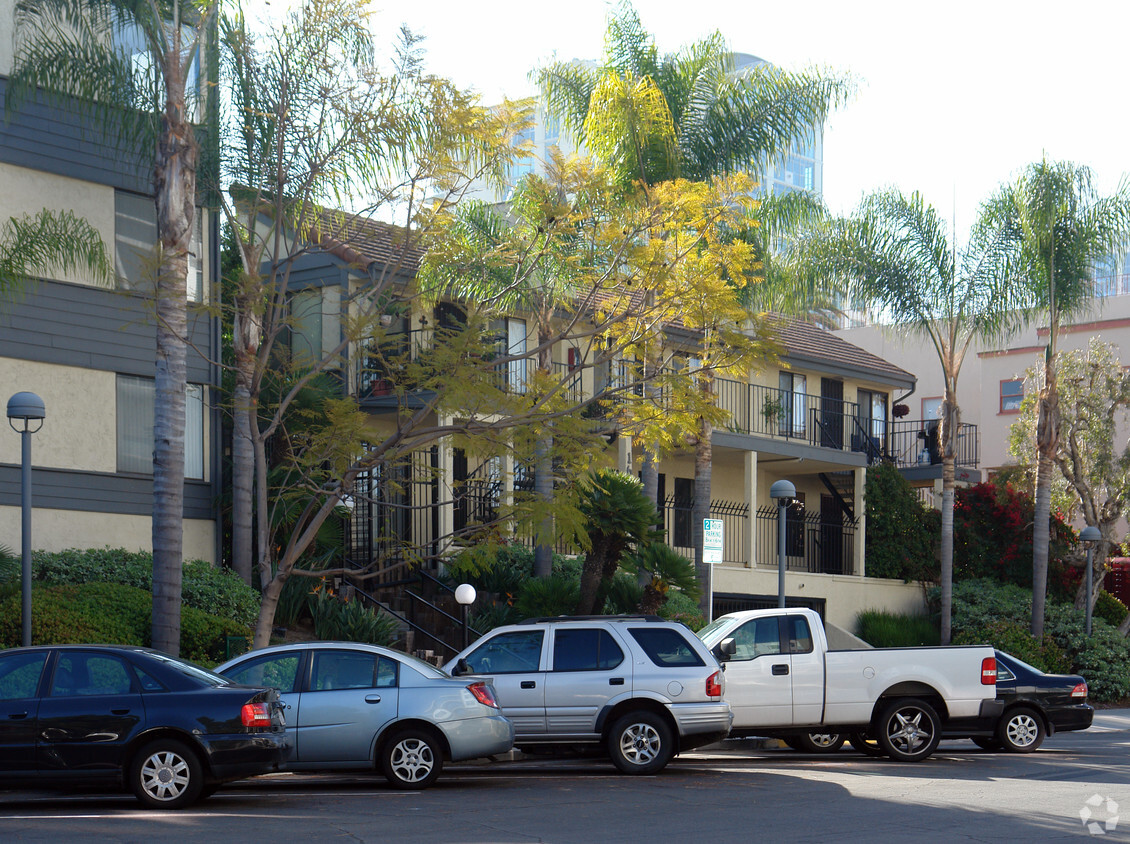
point(800, 636)
point(585, 649)
point(135, 246)
point(279, 672)
point(515, 652)
point(90, 674)
point(20, 673)
point(932, 408)
point(1012, 395)
point(793, 404)
point(516, 345)
point(135, 427)
point(665, 646)
point(873, 413)
point(757, 637)
point(336, 670)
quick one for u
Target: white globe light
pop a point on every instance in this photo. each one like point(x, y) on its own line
point(465, 593)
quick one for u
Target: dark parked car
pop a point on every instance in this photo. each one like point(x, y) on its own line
point(134, 719)
point(1035, 705)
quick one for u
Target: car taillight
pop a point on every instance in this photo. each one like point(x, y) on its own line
point(256, 715)
point(989, 671)
point(714, 684)
point(1080, 690)
point(484, 694)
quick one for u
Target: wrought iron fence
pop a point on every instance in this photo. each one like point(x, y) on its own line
point(914, 442)
point(678, 527)
point(813, 543)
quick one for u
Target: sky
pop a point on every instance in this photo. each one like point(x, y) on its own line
point(953, 98)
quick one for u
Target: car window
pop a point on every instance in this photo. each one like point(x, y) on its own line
point(665, 646)
point(88, 674)
point(334, 670)
point(149, 683)
point(20, 673)
point(512, 652)
point(585, 649)
point(1003, 673)
point(757, 637)
point(387, 671)
point(279, 671)
point(800, 636)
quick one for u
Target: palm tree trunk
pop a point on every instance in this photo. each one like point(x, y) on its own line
point(543, 470)
point(1047, 440)
point(703, 460)
point(243, 462)
point(175, 190)
point(947, 436)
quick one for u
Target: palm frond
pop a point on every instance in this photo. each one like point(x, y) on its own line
point(34, 245)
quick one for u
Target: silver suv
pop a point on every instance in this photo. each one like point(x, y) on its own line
point(641, 687)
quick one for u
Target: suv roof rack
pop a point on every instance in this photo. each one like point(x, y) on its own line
point(544, 619)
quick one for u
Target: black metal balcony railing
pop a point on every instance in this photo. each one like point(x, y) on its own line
point(914, 442)
point(382, 364)
point(813, 543)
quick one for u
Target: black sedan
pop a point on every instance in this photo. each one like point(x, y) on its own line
point(133, 718)
point(1035, 705)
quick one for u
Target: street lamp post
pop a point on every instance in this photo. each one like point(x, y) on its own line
point(23, 410)
point(465, 596)
point(783, 492)
point(1091, 536)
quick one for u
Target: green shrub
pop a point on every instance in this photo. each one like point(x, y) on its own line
point(893, 630)
point(901, 533)
point(1015, 639)
point(1103, 659)
point(680, 606)
point(541, 597)
point(113, 614)
point(623, 594)
point(1109, 609)
point(350, 621)
point(204, 587)
point(294, 600)
point(9, 566)
point(489, 616)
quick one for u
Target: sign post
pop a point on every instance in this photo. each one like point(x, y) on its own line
point(713, 535)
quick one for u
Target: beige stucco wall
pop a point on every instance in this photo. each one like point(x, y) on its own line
point(845, 596)
point(57, 530)
point(7, 27)
point(80, 429)
point(30, 191)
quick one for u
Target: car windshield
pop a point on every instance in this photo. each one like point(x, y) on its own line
point(1010, 661)
point(706, 632)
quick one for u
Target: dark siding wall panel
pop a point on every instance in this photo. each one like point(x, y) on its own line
point(76, 325)
point(95, 492)
point(43, 137)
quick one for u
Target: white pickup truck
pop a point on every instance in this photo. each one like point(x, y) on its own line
point(783, 681)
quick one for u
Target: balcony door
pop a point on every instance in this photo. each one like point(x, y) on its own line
point(831, 413)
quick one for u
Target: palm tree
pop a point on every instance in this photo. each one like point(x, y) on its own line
point(692, 114)
point(897, 255)
point(1060, 229)
point(36, 243)
point(128, 67)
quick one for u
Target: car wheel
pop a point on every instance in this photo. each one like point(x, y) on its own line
point(1021, 730)
point(987, 743)
point(820, 742)
point(412, 758)
point(166, 774)
point(867, 746)
point(909, 730)
point(641, 743)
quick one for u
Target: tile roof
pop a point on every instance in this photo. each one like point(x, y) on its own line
point(808, 343)
point(362, 240)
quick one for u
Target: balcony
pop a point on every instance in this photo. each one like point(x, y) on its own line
point(914, 443)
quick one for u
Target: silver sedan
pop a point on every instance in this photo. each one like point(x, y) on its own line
point(352, 706)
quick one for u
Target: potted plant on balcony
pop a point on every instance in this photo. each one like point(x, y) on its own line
point(771, 409)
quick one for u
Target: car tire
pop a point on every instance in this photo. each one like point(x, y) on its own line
point(641, 743)
point(819, 742)
point(411, 758)
point(865, 745)
point(166, 774)
point(1021, 730)
point(909, 730)
point(987, 743)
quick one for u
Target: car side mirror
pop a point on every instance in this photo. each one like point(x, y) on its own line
point(461, 668)
point(725, 649)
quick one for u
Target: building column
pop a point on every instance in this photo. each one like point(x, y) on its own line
point(624, 454)
point(750, 489)
point(860, 475)
point(446, 470)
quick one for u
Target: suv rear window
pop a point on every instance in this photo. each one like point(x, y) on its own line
point(665, 646)
point(585, 649)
